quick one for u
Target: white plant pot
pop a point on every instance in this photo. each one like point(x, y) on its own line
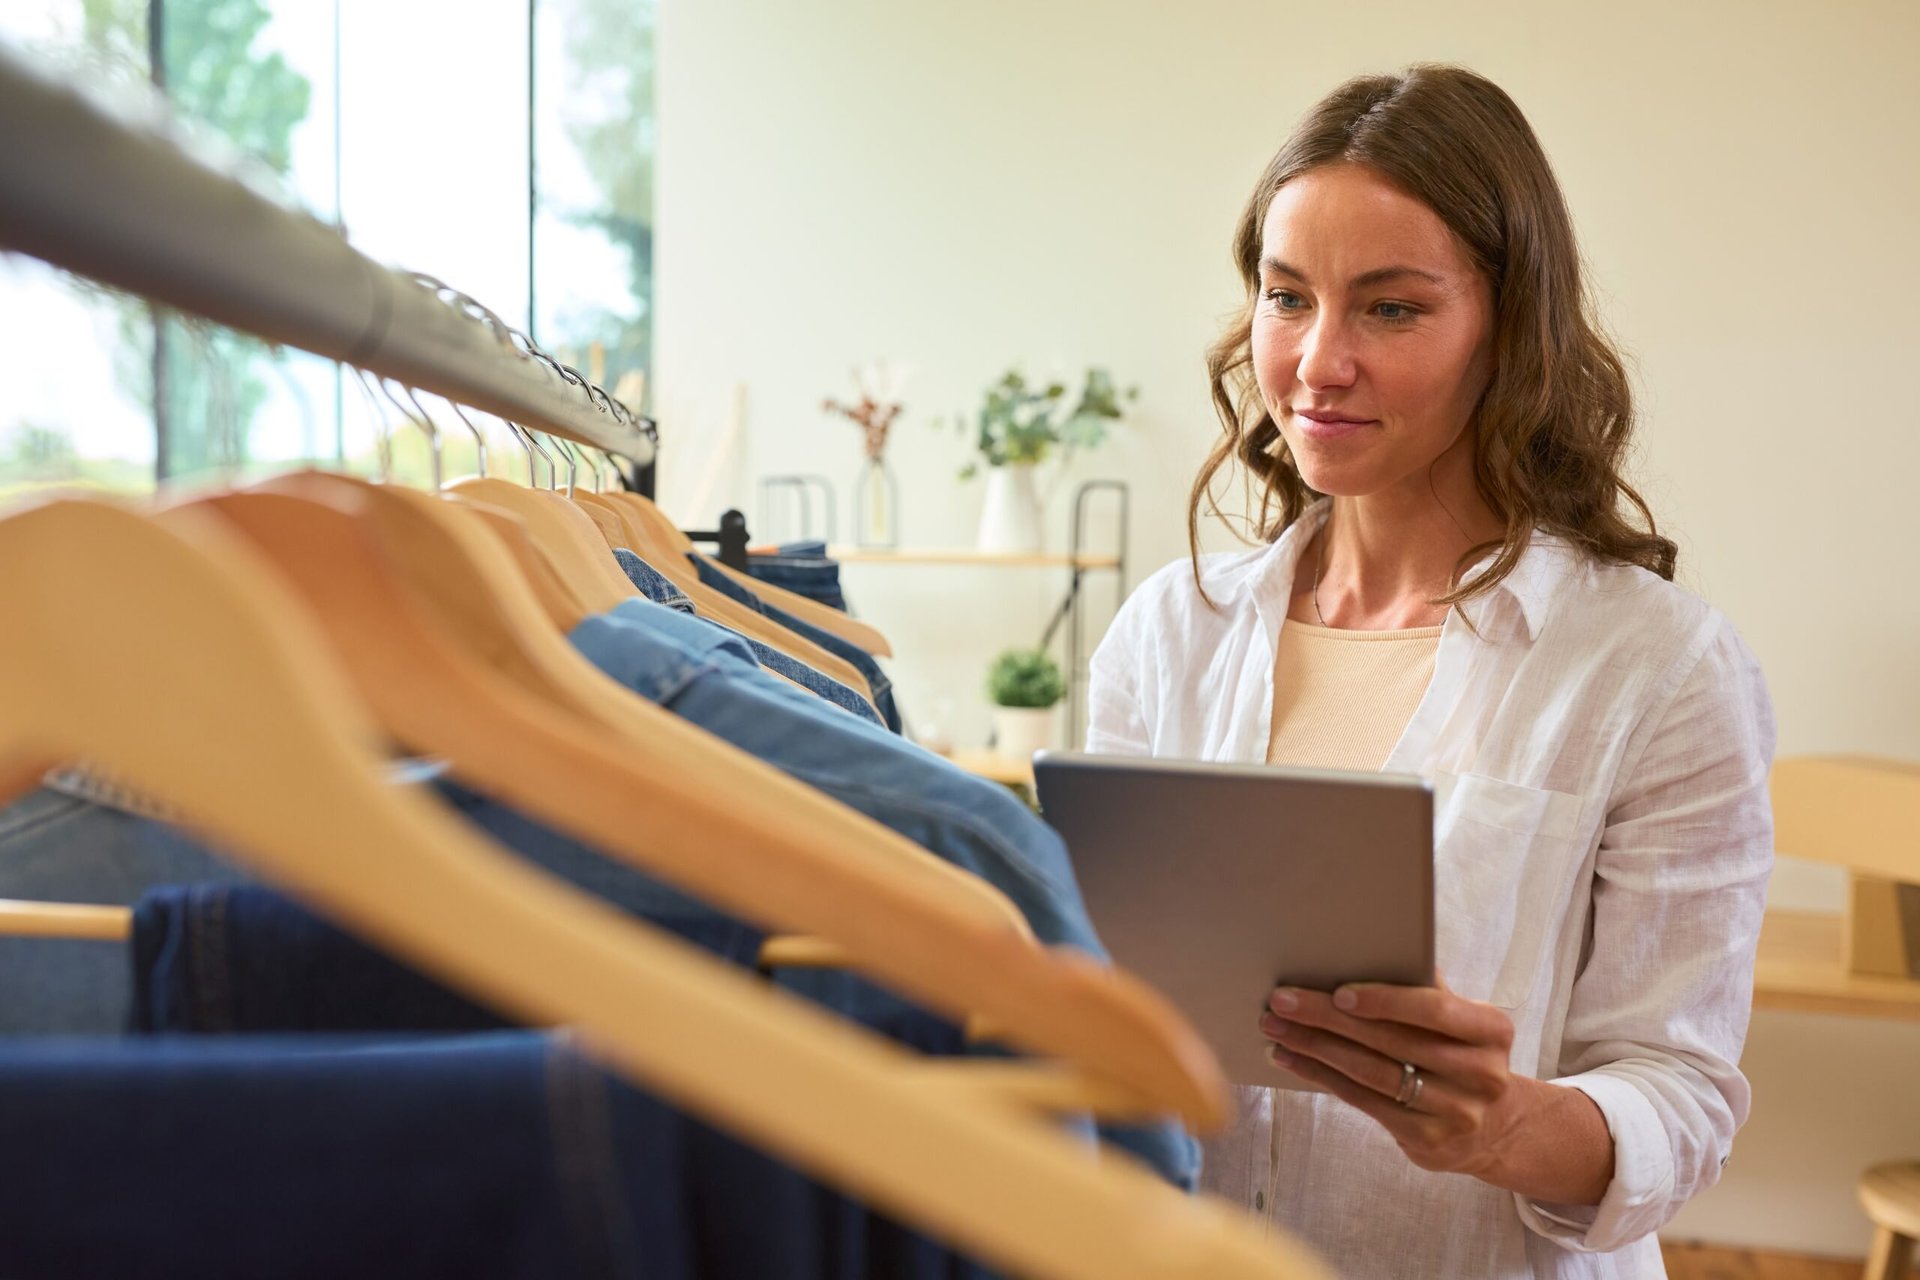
point(1018, 732)
point(1011, 519)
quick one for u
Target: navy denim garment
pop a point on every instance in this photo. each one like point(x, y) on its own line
point(62, 847)
point(245, 958)
point(862, 661)
point(803, 568)
point(498, 1156)
point(655, 587)
point(709, 678)
point(502, 1156)
point(220, 958)
point(242, 958)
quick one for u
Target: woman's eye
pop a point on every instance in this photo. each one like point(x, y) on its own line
point(1285, 299)
point(1394, 311)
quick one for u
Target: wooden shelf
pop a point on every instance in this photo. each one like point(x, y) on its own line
point(996, 767)
point(1802, 967)
point(964, 555)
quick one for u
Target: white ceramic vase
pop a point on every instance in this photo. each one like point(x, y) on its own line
point(1010, 521)
point(1018, 732)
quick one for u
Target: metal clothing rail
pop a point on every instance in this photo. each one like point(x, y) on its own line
point(124, 205)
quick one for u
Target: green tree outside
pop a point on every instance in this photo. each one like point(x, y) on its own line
point(608, 112)
point(213, 76)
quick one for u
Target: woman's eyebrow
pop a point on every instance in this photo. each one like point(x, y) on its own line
point(1379, 275)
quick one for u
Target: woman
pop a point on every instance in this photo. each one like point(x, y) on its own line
point(1459, 583)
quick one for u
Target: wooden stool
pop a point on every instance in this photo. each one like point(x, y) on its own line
point(1891, 1195)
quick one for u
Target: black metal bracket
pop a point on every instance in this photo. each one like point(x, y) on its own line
point(731, 537)
point(1070, 611)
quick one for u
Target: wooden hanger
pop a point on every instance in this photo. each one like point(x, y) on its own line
point(670, 541)
point(565, 533)
point(442, 575)
point(565, 609)
point(579, 552)
point(281, 769)
point(672, 565)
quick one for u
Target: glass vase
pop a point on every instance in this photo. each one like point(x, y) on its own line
point(876, 507)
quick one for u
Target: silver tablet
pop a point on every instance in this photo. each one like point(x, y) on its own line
point(1216, 883)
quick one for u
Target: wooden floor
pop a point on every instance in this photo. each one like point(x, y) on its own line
point(1708, 1262)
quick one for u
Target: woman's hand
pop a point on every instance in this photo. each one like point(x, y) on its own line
point(1467, 1113)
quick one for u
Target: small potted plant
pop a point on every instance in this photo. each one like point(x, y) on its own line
point(1019, 426)
point(1025, 686)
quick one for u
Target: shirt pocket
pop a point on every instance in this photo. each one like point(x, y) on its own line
point(1500, 851)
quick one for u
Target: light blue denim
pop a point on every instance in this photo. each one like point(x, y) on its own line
point(655, 587)
point(709, 678)
point(861, 660)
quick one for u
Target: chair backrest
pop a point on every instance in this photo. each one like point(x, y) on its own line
point(1857, 812)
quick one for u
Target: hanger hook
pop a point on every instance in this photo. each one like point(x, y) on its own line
point(533, 479)
point(427, 427)
point(573, 462)
point(606, 468)
point(479, 441)
point(382, 438)
point(587, 464)
point(553, 468)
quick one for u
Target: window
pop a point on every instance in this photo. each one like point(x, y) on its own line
point(520, 172)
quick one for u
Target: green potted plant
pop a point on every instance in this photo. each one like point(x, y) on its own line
point(1025, 685)
point(1019, 425)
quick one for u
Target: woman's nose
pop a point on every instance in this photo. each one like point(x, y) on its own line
point(1326, 356)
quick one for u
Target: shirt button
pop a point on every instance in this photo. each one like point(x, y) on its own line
point(1260, 1200)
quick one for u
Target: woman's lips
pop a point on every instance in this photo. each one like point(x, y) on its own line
point(1329, 426)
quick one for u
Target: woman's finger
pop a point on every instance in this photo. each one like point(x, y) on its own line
point(1407, 1125)
point(1440, 1012)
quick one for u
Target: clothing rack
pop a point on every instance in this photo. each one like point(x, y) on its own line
point(121, 203)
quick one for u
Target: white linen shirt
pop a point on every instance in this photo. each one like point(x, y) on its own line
point(1602, 841)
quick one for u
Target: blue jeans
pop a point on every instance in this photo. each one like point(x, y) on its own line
point(59, 847)
point(244, 958)
point(802, 568)
point(503, 1155)
point(862, 661)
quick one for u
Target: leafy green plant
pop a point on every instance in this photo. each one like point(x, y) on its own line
point(1025, 678)
point(1022, 423)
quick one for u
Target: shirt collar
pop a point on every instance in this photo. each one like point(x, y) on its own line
point(1519, 602)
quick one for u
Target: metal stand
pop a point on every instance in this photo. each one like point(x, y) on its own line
point(1070, 610)
point(803, 487)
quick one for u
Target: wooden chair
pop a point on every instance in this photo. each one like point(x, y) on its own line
point(1890, 1193)
point(1863, 813)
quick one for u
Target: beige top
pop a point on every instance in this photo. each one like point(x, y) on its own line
point(1341, 699)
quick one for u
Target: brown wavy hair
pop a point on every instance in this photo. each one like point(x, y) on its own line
point(1553, 426)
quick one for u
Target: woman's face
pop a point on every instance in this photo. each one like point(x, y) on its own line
point(1372, 335)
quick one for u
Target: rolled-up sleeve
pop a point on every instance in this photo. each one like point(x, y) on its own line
point(1660, 1008)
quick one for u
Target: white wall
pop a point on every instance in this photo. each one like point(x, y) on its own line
point(966, 186)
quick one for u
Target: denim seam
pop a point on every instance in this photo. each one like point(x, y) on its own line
point(206, 945)
point(581, 1128)
point(666, 687)
point(19, 828)
point(1010, 854)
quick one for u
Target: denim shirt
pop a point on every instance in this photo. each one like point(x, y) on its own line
point(709, 678)
point(861, 660)
point(657, 588)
